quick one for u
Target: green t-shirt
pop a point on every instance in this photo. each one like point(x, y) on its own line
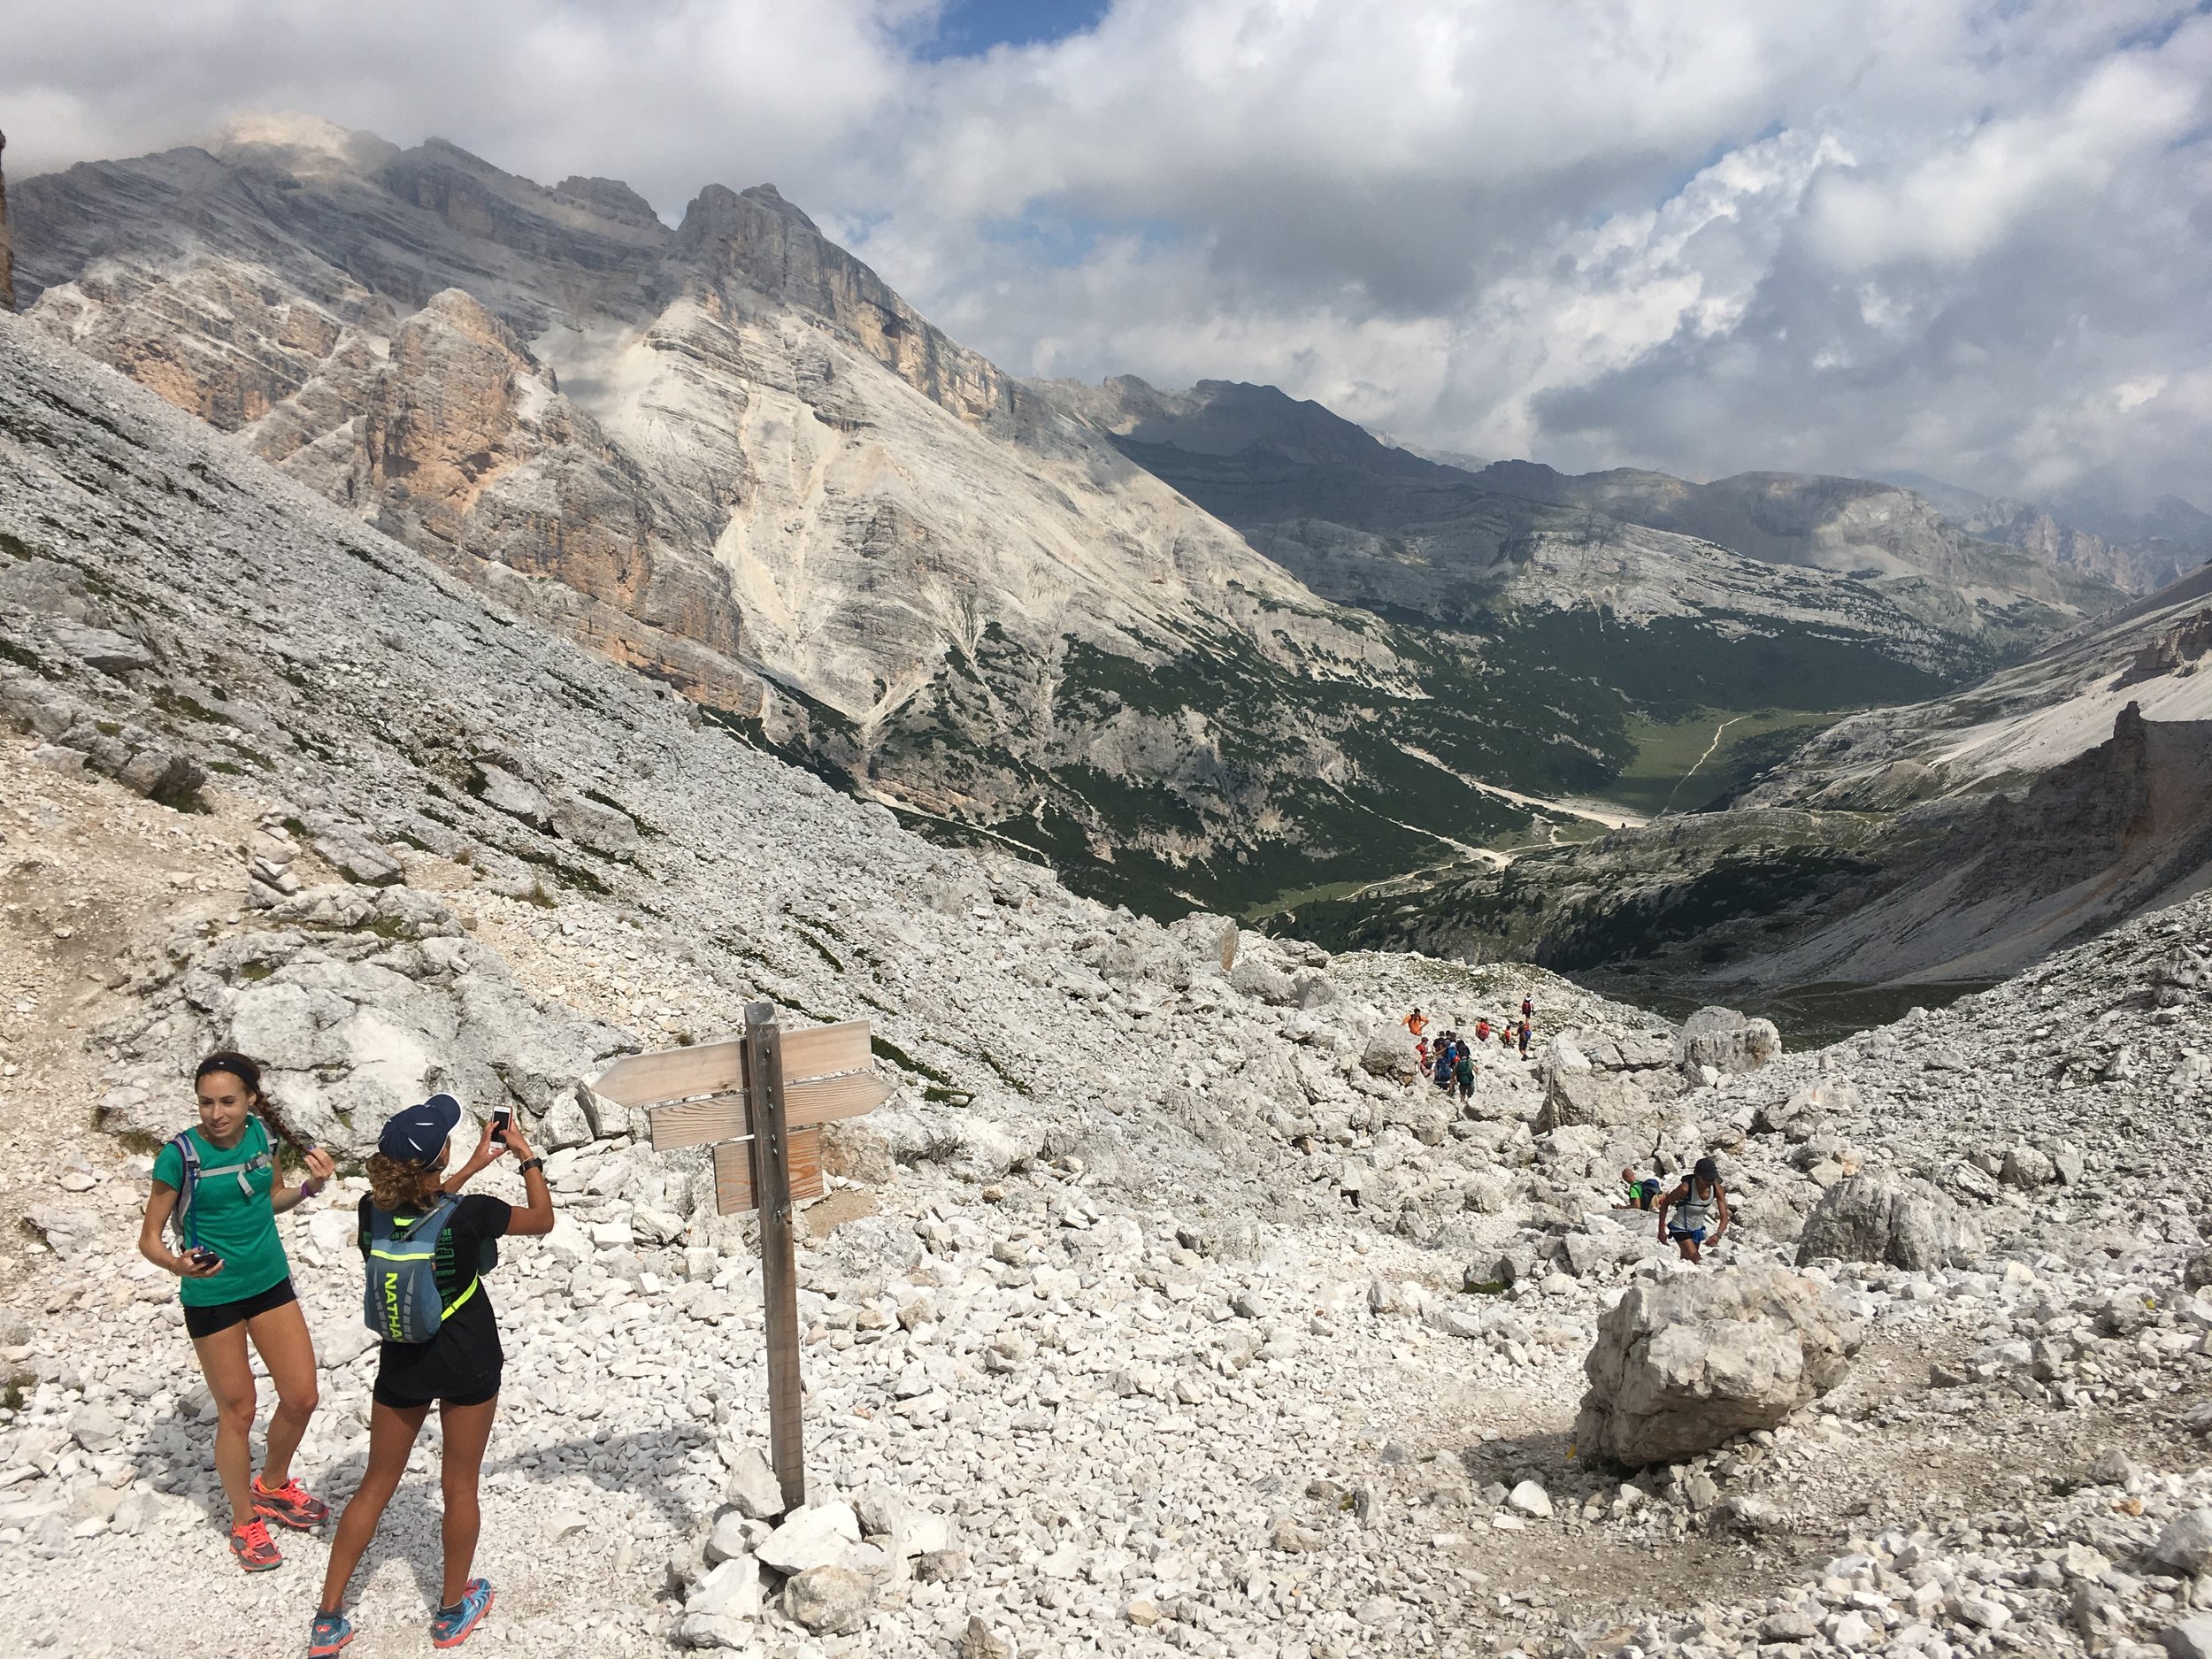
point(235, 1222)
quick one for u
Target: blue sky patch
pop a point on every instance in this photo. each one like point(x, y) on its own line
point(968, 28)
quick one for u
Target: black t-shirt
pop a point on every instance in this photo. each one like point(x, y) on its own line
point(462, 1360)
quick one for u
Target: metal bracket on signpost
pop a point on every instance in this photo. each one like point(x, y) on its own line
point(779, 1264)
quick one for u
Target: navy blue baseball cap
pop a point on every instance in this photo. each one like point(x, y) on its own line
point(416, 1135)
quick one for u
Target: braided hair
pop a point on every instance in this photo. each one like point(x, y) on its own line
point(247, 1071)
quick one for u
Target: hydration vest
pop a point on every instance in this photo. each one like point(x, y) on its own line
point(185, 1230)
point(400, 1302)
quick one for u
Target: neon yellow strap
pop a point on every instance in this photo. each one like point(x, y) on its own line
point(458, 1300)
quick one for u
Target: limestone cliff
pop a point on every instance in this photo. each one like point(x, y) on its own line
point(730, 456)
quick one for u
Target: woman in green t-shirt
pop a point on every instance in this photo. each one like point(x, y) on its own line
point(237, 1285)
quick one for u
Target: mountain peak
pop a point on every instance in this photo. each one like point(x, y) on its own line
point(768, 196)
point(306, 145)
point(609, 198)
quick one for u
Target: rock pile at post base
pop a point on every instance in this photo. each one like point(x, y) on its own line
point(1156, 1310)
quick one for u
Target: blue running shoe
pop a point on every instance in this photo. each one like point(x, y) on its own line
point(331, 1631)
point(452, 1625)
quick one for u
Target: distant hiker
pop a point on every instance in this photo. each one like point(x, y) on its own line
point(1639, 1194)
point(1464, 1073)
point(218, 1184)
point(1421, 1053)
point(1525, 1036)
point(1442, 1073)
point(1482, 1030)
point(1700, 1211)
point(426, 1249)
point(1528, 1010)
point(1416, 1022)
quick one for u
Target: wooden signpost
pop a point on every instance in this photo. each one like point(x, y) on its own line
point(760, 1101)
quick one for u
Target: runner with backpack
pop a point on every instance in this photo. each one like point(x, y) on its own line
point(426, 1249)
point(216, 1188)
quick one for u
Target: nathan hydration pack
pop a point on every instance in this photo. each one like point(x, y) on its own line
point(400, 1302)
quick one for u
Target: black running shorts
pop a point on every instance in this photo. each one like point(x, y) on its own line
point(220, 1316)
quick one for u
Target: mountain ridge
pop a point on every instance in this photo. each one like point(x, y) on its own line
point(727, 454)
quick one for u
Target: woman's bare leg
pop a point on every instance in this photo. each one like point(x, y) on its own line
point(467, 1430)
point(229, 1375)
point(286, 1348)
point(391, 1437)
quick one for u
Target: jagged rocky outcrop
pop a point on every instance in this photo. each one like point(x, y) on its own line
point(1758, 899)
point(730, 456)
point(1871, 1218)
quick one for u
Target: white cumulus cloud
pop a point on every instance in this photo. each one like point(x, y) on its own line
point(1964, 237)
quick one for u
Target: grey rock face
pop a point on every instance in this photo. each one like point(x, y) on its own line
point(2185, 1548)
point(829, 1600)
point(138, 759)
point(1389, 1054)
point(2028, 1166)
point(1908, 1224)
point(1724, 1040)
point(355, 1027)
point(1589, 1099)
point(1682, 1367)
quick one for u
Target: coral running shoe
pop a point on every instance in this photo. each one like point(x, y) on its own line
point(251, 1545)
point(288, 1505)
point(452, 1625)
point(330, 1632)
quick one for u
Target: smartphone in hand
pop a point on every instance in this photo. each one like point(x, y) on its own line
point(502, 1116)
point(201, 1256)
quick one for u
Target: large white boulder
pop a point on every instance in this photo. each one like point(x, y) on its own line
point(1682, 1366)
point(1880, 1218)
point(1724, 1040)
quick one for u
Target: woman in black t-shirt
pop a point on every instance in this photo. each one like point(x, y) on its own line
point(457, 1370)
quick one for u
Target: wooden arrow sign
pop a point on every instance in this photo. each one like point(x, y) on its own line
point(647, 1079)
point(733, 1192)
point(718, 1068)
point(821, 1099)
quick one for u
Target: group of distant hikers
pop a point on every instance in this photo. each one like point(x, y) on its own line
point(1450, 1061)
point(1699, 1203)
point(424, 1248)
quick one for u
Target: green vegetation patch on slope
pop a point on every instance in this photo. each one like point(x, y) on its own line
point(1688, 764)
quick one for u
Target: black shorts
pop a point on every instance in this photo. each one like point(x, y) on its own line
point(438, 1372)
point(476, 1395)
point(220, 1316)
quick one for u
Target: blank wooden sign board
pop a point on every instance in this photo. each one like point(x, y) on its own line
point(759, 1100)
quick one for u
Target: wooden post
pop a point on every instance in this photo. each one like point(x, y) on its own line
point(779, 1264)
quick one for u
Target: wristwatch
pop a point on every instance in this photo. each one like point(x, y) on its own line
point(527, 1164)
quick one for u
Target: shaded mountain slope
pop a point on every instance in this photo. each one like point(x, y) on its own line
point(1954, 840)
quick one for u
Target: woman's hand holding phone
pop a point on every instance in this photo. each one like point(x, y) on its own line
point(199, 1263)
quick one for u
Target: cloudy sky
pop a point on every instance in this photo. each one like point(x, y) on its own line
point(1969, 238)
